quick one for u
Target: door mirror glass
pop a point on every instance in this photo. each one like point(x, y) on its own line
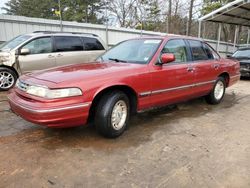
point(167, 58)
point(25, 51)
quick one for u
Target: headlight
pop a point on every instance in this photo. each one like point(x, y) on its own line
point(5, 58)
point(53, 93)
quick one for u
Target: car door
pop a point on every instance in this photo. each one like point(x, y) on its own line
point(172, 82)
point(206, 66)
point(92, 48)
point(40, 55)
point(69, 50)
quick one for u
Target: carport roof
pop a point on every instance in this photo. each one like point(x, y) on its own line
point(236, 13)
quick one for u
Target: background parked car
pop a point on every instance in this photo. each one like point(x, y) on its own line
point(243, 56)
point(42, 50)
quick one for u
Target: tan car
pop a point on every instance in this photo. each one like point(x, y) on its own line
point(42, 50)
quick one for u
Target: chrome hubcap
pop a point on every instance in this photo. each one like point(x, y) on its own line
point(219, 90)
point(119, 115)
point(6, 80)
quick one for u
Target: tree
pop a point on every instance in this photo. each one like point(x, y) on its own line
point(190, 17)
point(124, 11)
point(71, 10)
point(34, 8)
point(169, 16)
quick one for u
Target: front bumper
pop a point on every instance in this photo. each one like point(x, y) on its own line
point(58, 115)
point(245, 70)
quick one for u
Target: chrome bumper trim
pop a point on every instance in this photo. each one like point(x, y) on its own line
point(235, 76)
point(50, 110)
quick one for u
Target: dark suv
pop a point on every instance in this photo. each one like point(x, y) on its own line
point(243, 56)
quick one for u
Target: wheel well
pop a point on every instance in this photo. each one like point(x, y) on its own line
point(126, 89)
point(11, 68)
point(225, 75)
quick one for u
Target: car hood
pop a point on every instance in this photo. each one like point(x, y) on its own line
point(79, 72)
point(243, 60)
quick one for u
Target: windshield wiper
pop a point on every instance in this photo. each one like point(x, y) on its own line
point(117, 60)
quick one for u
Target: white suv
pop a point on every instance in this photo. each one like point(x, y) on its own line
point(45, 49)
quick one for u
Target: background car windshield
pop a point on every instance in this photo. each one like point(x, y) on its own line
point(14, 42)
point(242, 53)
point(133, 51)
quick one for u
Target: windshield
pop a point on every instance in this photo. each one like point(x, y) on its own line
point(242, 53)
point(138, 51)
point(14, 42)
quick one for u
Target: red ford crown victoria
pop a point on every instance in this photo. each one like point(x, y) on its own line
point(135, 75)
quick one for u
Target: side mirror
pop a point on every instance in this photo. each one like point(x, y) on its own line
point(167, 58)
point(24, 51)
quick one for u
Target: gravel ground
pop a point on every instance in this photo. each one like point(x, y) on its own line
point(192, 144)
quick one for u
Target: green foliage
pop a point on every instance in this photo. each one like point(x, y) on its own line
point(211, 5)
point(72, 10)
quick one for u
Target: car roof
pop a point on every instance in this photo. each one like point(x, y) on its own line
point(169, 36)
point(56, 33)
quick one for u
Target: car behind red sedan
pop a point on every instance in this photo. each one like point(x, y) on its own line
point(135, 75)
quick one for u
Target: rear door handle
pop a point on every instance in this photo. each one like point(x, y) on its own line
point(59, 55)
point(190, 69)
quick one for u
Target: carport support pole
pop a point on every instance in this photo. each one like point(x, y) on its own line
point(199, 32)
point(248, 36)
point(106, 19)
point(235, 35)
point(218, 39)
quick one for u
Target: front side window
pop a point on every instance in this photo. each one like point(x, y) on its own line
point(91, 44)
point(178, 48)
point(14, 42)
point(68, 43)
point(39, 46)
point(138, 51)
point(198, 52)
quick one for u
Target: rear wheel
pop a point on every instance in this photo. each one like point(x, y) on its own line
point(7, 78)
point(112, 114)
point(218, 92)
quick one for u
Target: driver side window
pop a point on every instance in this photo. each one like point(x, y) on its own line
point(39, 46)
point(178, 48)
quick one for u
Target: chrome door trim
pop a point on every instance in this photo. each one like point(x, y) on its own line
point(147, 93)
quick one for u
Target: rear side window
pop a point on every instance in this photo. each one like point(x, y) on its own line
point(198, 52)
point(68, 43)
point(92, 44)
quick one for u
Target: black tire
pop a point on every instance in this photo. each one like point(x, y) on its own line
point(211, 98)
point(104, 111)
point(12, 79)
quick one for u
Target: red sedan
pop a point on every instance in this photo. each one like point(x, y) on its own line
point(135, 75)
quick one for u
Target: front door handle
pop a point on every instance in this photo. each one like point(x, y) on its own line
point(216, 66)
point(59, 55)
point(50, 56)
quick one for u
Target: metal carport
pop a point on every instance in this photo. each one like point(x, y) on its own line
point(235, 13)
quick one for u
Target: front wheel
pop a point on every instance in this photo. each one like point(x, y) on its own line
point(218, 92)
point(112, 114)
point(7, 78)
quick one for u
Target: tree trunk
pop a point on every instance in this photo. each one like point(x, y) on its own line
point(190, 17)
point(169, 16)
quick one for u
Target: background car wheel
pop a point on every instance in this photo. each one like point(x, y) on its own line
point(218, 92)
point(7, 78)
point(112, 114)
